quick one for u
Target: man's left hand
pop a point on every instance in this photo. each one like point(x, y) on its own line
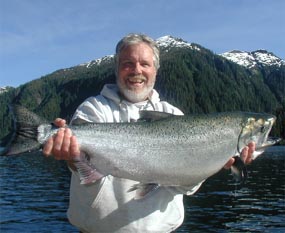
point(246, 155)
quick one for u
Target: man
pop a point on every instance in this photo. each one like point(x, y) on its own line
point(107, 206)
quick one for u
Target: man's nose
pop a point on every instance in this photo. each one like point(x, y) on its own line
point(137, 68)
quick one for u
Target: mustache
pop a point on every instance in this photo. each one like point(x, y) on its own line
point(137, 78)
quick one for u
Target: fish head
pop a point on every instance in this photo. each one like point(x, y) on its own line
point(256, 128)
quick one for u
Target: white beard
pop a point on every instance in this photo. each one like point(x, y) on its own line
point(132, 95)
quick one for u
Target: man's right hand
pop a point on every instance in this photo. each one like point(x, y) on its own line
point(63, 145)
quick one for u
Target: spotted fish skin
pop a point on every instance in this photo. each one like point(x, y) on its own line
point(163, 149)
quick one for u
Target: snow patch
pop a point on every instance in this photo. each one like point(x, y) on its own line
point(98, 61)
point(253, 59)
point(169, 41)
point(3, 89)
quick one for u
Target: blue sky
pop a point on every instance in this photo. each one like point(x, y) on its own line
point(38, 37)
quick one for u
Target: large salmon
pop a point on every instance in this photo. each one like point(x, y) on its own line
point(163, 149)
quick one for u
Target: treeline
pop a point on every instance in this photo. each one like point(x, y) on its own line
point(196, 81)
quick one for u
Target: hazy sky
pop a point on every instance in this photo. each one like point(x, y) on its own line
point(38, 37)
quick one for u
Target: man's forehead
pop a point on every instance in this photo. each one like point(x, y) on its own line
point(142, 51)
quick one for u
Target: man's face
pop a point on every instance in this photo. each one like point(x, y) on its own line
point(136, 72)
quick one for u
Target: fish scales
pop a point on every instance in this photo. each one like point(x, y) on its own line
point(161, 149)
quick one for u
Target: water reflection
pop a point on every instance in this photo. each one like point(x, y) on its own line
point(35, 193)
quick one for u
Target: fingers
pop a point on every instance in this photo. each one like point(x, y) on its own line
point(58, 140)
point(229, 163)
point(63, 146)
point(247, 152)
point(48, 147)
point(59, 122)
point(53, 144)
point(251, 149)
point(74, 147)
point(246, 155)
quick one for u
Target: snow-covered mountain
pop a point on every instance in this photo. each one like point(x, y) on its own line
point(253, 59)
point(169, 41)
point(247, 59)
point(164, 42)
point(3, 90)
point(98, 61)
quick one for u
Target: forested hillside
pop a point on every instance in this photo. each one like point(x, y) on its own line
point(195, 80)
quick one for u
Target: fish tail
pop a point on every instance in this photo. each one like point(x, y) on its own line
point(24, 138)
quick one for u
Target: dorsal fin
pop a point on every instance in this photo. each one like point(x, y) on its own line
point(153, 115)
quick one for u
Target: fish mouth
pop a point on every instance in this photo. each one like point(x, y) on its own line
point(261, 148)
point(270, 142)
point(239, 170)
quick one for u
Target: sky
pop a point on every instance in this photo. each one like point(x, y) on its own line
point(38, 37)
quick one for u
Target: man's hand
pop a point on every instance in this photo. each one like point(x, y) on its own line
point(246, 155)
point(63, 145)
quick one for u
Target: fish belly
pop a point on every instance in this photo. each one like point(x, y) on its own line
point(158, 160)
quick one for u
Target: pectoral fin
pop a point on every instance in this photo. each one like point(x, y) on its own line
point(143, 190)
point(87, 172)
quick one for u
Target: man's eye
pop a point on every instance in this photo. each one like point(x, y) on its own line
point(145, 65)
point(127, 65)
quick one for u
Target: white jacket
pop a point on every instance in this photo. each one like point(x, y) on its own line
point(106, 206)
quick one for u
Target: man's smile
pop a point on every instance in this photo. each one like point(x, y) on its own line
point(136, 80)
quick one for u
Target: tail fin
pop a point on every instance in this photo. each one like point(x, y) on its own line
point(25, 134)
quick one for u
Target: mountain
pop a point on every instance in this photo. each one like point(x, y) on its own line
point(258, 58)
point(101, 61)
point(167, 42)
point(5, 89)
point(191, 77)
point(269, 65)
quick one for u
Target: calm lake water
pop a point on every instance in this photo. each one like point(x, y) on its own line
point(35, 190)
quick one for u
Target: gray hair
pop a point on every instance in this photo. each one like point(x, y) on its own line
point(133, 38)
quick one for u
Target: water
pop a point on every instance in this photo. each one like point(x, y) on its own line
point(35, 190)
point(257, 206)
point(34, 194)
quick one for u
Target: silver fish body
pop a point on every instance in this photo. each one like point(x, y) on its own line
point(174, 151)
point(171, 151)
